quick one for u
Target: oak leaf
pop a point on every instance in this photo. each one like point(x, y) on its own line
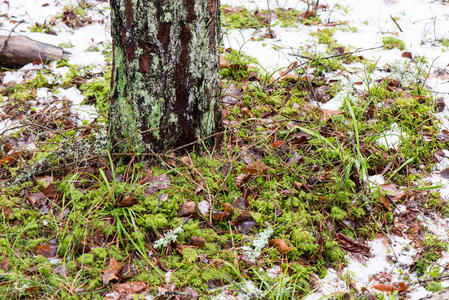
point(112, 271)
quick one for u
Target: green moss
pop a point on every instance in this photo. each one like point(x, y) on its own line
point(434, 286)
point(190, 255)
point(86, 259)
point(332, 253)
point(337, 213)
point(97, 92)
point(391, 42)
point(303, 240)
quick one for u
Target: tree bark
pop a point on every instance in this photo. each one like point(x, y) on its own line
point(165, 85)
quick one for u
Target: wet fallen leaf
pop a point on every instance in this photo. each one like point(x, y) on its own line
point(352, 245)
point(50, 191)
point(244, 222)
point(127, 201)
point(130, 288)
point(445, 173)
point(198, 241)
point(186, 209)
point(188, 293)
point(112, 271)
point(44, 250)
point(281, 245)
point(256, 168)
point(157, 183)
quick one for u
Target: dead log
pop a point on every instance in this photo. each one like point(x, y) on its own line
point(17, 51)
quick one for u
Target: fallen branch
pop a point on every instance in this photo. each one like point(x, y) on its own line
point(17, 51)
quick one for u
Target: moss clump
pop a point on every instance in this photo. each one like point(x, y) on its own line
point(434, 286)
point(96, 92)
point(391, 42)
point(86, 259)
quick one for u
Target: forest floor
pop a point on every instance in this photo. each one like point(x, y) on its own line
point(331, 182)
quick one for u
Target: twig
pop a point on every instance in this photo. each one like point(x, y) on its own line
point(318, 59)
point(396, 23)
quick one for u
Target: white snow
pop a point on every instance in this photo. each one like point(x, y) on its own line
point(391, 139)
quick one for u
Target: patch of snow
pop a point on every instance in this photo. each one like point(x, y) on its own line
point(391, 139)
point(72, 94)
point(264, 4)
point(9, 126)
point(375, 180)
point(84, 112)
point(274, 272)
point(13, 77)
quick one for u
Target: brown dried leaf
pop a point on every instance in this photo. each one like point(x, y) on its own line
point(352, 245)
point(4, 264)
point(50, 191)
point(186, 209)
point(407, 55)
point(223, 63)
point(198, 241)
point(8, 159)
point(383, 287)
point(157, 183)
point(127, 201)
point(130, 288)
point(297, 185)
point(281, 245)
point(147, 176)
point(277, 143)
point(7, 211)
point(445, 173)
point(199, 187)
point(256, 168)
point(36, 199)
point(221, 216)
point(189, 293)
point(241, 179)
point(339, 50)
point(385, 202)
point(44, 250)
point(112, 271)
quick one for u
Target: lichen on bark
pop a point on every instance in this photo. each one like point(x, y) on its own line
point(165, 85)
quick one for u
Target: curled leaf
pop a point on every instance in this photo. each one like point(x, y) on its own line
point(112, 271)
point(281, 245)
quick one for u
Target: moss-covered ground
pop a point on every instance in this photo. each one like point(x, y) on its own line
point(264, 214)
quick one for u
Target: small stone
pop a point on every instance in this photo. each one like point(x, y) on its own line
point(204, 207)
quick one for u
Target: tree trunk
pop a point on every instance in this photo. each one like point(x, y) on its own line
point(165, 85)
